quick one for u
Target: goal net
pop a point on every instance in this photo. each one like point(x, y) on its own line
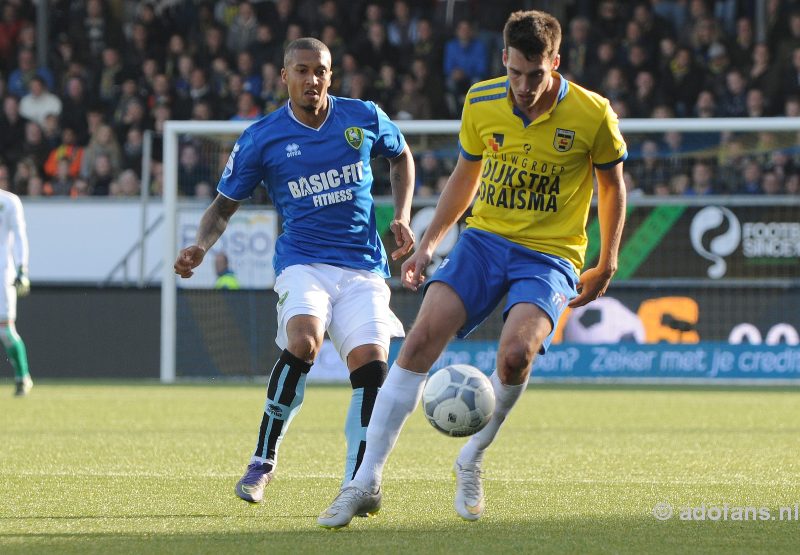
point(710, 253)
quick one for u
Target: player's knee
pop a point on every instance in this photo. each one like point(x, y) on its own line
point(514, 361)
point(304, 346)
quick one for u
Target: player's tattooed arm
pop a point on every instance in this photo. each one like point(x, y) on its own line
point(401, 177)
point(212, 226)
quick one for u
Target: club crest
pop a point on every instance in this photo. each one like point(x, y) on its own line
point(354, 136)
point(563, 139)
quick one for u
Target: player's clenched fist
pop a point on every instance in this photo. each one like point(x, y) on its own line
point(189, 259)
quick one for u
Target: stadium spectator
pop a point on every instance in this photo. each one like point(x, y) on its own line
point(132, 151)
point(94, 30)
point(39, 102)
point(247, 108)
point(24, 171)
point(109, 77)
point(61, 183)
point(465, 62)
point(68, 150)
point(402, 31)
point(750, 183)
point(191, 170)
point(605, 59)
point(226, 279)
point(126, 185)
point(12, 127)
point(102, 143)
point(410, 103)
point(34, 146)
point(101, 176)
point(771, 183)
point(764, 75)
point(10, 26)
point(265, 49)
point(19, 79)
point(705, 106)
point(74, 108)
point(733, 101)
point(576, 52)
point(702, 180)
point(791, 75)
point(683, 81)
point(374, 48)
point(251, 75)
point(52, 131)
point(741, 47)
point(242, 29)
point(213, 46)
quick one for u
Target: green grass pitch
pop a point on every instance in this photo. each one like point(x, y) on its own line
point(143, 468)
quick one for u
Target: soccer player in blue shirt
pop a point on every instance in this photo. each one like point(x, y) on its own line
point(531, 143)
point(313, 156)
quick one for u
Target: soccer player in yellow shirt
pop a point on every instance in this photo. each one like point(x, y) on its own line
point(528, 144)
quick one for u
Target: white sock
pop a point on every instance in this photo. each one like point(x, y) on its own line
point(397, 399)
point(506, 397)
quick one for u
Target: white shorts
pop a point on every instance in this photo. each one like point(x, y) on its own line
point(352, 304)
point(8, 303)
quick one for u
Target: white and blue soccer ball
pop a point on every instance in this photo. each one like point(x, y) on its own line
point(458, 400)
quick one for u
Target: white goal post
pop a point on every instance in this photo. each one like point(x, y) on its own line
point(175, 130)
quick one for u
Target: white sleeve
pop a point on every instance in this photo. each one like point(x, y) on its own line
point(19, 230)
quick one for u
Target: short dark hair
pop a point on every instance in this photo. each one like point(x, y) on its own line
point(304, 43)
point(533, 33)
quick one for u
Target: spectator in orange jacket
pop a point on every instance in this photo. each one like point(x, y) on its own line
point(68, 150)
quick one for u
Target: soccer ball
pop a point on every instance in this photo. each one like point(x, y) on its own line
point(458, 400)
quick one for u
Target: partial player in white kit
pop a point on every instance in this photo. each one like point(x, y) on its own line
point(14, 269)
point(313, 156)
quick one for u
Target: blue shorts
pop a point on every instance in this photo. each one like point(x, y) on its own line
point(484, 267)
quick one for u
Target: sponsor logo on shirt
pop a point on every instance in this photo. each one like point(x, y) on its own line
point(293, 149)
point(563, 139)
point(354, 136)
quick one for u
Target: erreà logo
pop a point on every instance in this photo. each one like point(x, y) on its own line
point(496, 141)
point(354, 136)
point(292, 149)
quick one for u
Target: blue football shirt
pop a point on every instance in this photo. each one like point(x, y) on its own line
point(319, 180)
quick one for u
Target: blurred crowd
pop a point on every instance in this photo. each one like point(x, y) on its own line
point(73, 118)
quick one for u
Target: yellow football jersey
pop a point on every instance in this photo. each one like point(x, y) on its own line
point(536, 179)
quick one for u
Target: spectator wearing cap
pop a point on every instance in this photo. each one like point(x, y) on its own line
point(20, 78)
point(717, 66)
point(39, 102)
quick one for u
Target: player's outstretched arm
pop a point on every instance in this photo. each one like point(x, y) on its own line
point(212, 226)
point(401, 177)
point(455, 199)
point(611, 211)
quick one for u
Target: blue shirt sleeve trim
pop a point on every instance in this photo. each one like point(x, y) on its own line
point(608, 165)
point(468, 156)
